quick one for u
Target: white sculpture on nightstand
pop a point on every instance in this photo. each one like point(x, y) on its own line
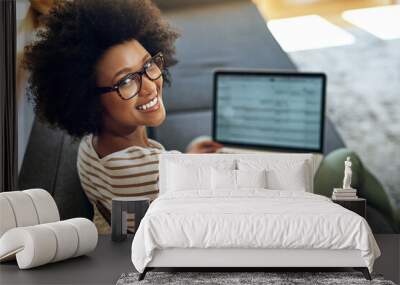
point(347, 174)
point(347, 192)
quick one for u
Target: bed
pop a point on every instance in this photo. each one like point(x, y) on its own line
point(246, 211)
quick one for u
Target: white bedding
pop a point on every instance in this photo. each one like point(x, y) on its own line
point(251, 218)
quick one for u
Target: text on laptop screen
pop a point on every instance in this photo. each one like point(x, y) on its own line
point(269, 110)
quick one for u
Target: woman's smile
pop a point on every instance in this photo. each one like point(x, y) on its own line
point(150, 106)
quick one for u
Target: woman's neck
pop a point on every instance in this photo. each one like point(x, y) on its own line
point(108, 142)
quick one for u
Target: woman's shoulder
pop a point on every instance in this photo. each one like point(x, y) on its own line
point(156, 144)
point(161, 147)
point(86, 150)
point(85, 144)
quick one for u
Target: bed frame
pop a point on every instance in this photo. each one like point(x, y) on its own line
point(246, 258)
point(242, 259)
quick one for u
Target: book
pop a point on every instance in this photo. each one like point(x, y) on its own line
point(340, 190)
point(334, 197)
point(345, 199)
point(345, 194)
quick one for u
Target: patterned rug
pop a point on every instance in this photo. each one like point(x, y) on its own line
point(231, 278)
point(364, 100)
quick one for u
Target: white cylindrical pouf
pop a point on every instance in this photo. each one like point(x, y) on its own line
point(40, 244)
point(67, 239)
point(34, 245)
point(87, 234)
point(45, 205)
point(7, 218)
point(23, 208)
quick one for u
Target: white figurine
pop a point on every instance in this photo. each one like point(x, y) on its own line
point(347, 174)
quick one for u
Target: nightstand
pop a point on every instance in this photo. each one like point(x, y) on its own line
point(358, 205)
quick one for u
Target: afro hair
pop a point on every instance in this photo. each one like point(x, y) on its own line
point(62, 60)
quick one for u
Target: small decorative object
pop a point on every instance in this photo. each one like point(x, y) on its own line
point(347, 192)
point(121, 206)
point(347, 174)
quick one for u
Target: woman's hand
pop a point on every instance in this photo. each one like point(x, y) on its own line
point(207, 146)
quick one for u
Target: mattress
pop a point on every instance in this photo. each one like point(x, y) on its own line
point(251, 219)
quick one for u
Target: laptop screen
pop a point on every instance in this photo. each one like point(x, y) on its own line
point(271, 110)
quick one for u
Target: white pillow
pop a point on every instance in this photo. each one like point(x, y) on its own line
point(223, 179)
point(182, 177)
point(251, 178)
point(227, 179)
point(293, 175)
point(291, 178)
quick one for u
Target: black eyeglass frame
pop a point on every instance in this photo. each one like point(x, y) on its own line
point(140, 73)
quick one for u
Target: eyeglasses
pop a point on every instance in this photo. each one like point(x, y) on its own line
point(130, 85)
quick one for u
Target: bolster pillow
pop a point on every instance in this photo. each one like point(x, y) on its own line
point(26, 208)
point(40, 244)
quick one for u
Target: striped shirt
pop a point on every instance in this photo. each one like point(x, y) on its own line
point(130, 172)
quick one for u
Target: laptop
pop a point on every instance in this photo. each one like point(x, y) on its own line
point(266, 110)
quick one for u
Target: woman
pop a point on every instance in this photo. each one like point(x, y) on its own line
point(97, 72)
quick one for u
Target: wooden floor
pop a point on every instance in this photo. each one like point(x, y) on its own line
point(328, 9)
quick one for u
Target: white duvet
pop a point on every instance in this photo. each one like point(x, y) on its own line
point(250, 219)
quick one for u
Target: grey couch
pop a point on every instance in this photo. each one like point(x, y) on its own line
point(214, 34)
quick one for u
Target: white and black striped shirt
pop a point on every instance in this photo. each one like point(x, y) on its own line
point(132, 171)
